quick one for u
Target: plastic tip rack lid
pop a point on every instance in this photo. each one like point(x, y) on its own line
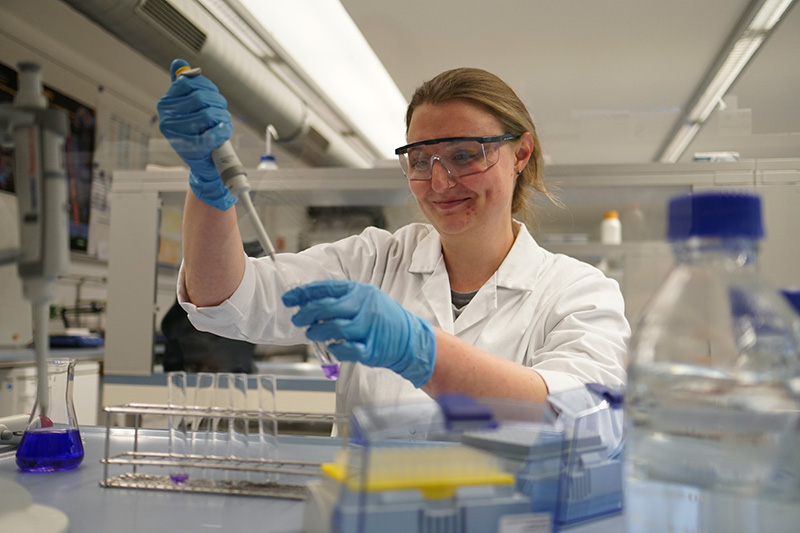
point(715, 214)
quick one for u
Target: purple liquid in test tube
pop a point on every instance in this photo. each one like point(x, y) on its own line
point(330, 367)
point(331, 371)
point(179, 479)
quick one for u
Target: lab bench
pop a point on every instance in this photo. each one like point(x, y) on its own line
point(93, 508)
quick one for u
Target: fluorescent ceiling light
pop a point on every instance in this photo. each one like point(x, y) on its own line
point(325, 42)
point(750, 37)
point(733, 65)
point(769, 14)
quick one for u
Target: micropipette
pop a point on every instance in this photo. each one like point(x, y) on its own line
point(234, 178)
point(51, 441)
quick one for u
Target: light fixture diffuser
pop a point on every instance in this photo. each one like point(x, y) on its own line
point(751, 35)
point(325, 42)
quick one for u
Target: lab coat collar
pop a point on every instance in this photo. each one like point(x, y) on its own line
point(514, 273)
point(517, 272)
point(428, 261)
point(519, 268)
point(427, 254)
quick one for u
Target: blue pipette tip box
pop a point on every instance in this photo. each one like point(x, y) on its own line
point(464, 412)
point(614, 396)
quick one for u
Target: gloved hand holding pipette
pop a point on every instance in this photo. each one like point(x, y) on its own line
point(194, 118)
point(367, 326)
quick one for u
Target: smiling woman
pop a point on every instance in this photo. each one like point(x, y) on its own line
point(467, 302)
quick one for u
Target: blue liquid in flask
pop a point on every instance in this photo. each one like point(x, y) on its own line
point(50, 450)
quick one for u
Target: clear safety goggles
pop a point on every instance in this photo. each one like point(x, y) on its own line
point(460, 156)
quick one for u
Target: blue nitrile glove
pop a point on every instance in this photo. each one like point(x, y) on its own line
point(366, 326)
point(194, 118)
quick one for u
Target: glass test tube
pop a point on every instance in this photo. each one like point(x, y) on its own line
point(176, 399)
point(237, 426)
point(329, 363)
point(267, 445)
point(203, 425)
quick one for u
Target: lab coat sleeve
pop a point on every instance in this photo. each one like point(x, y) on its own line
point(231, 317)
point(255, 311)
point(586, 333)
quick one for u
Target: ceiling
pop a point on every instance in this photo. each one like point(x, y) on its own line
point(605, 81)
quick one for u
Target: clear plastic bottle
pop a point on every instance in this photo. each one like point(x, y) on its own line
point(713, 398)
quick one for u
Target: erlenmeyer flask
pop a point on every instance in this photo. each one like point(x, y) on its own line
point(52, 440)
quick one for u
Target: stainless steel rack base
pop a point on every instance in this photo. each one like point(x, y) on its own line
point(144, 466)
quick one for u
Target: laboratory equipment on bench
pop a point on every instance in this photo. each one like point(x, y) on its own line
point(463, 465)
point(234, 178)
point(12, 428)
point(52, 440)
point(712, 408)
point(221, 440)
point(38, 134)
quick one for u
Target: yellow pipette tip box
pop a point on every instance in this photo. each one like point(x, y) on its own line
point(437, 472)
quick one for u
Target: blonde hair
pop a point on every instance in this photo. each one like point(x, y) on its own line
point(494, 95)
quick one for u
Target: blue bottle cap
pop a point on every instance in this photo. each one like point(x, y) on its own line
point(715, 214)
point(793, 295)
point(267, 157)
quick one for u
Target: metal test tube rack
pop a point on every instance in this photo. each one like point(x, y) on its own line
point(147, 468)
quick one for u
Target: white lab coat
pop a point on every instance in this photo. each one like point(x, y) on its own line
point(546, 311)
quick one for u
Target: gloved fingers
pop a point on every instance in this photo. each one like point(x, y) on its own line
point(188, 102)
point(332, 330)
point(347, 307)
point(197, 148)
point(213, 122)
point(354, 352)
point(317, 290)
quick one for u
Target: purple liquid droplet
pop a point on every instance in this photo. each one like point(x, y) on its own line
point(330, 371)
point(179, 479)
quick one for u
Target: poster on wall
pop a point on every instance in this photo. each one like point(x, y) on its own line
point(8, 87)
point(78, 154)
